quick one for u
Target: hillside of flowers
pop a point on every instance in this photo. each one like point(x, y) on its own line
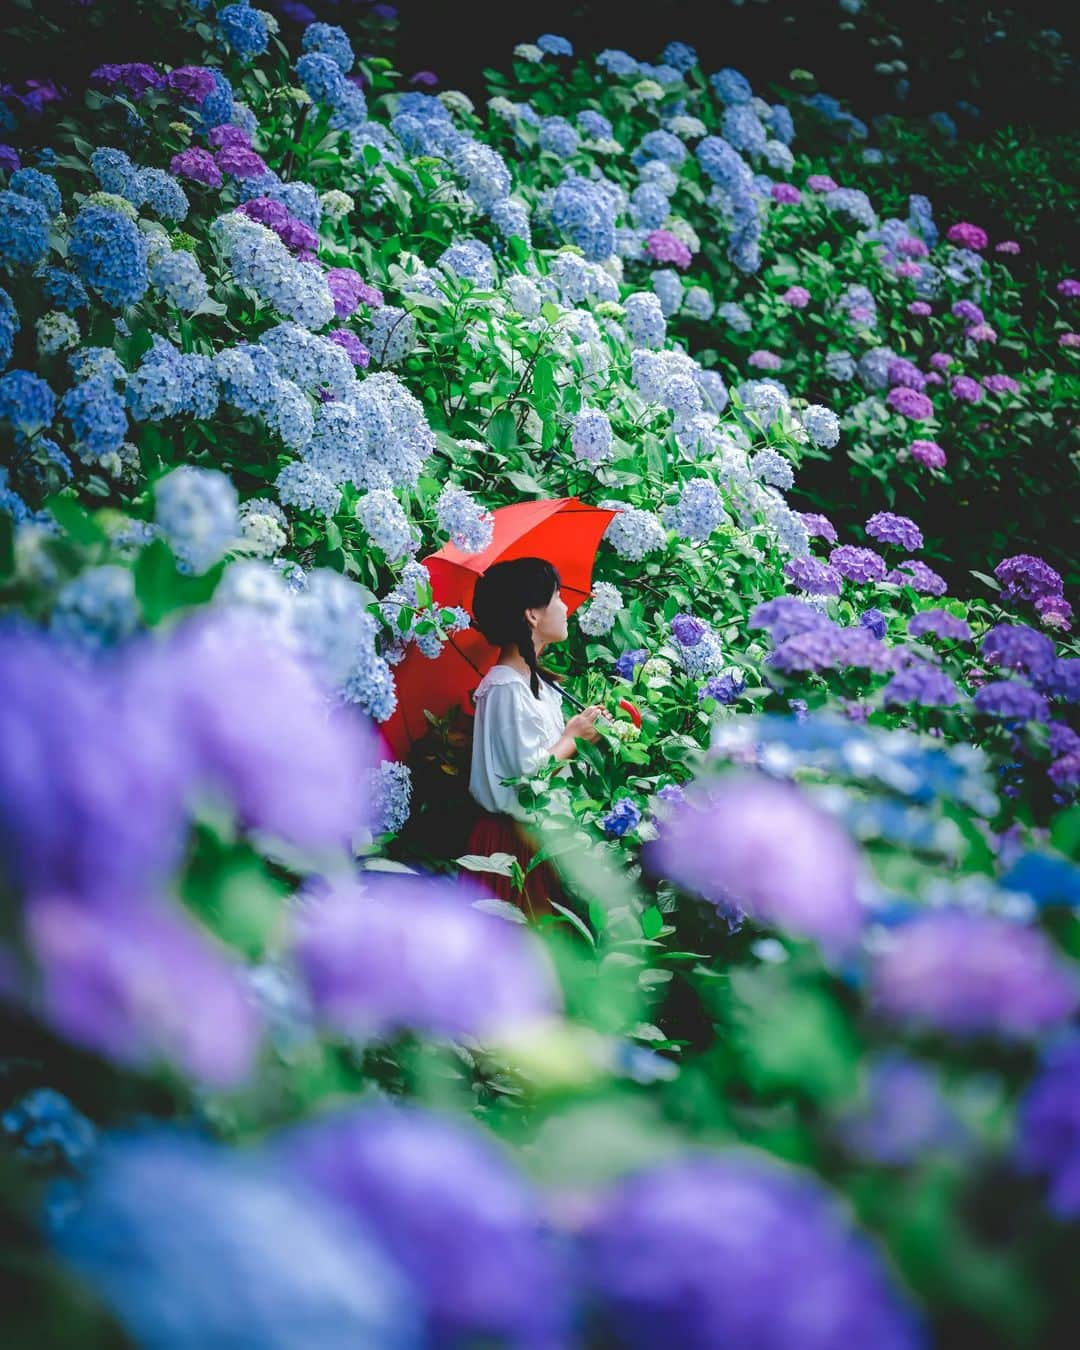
point(796, 1064)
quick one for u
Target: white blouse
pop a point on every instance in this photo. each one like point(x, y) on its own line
point(512, 735)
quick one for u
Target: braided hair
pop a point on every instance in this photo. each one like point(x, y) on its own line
point(503, 594)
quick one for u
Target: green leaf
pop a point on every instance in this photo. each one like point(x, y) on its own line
point(652, 921)
point(500, 863)
point(76, 522)
point(502, 431)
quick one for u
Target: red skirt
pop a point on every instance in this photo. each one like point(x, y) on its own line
point(503, 834)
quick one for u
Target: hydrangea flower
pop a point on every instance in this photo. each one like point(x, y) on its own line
point(968, 974)
point(939, 623)
point(1048, 1125)
point(698, 512)
point(386, 524)
point(391, 797)
point(927, 453)
point(399, 953)
point(910, 403)
point(97, 416)
point(332, 41)
point(818, 526)
point(760, 845)
point(1026, 577)
point(390, 335)
point(598, 616)
point(633, 533)
point(410, 1176)
point(26, 401)
point(967, 235)
point(923, 683)
point(623, 817)
point(197, 511)
point(822, 425)
point(468, 524)
point(645, 322)
point(888, 528)
point(711, 1251)
point(179, 277)
point(966, 389)
point(1013, 700)
point(914, 573)
point(590, 437)
point(812, 576)
point(24, 229)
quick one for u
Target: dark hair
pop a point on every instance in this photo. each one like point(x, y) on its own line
point(503, 594)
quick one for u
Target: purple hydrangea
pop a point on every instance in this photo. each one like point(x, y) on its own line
point(197, 165)
point(1011, 699)
point(410, 952)
point(1016, 646)
point(762, 846)
point(786, 194)
point(1054, 611)
point(724, 688)
point(970, 974)
point(785, 616)
point(1068, 288)
point(762, 360)
point(927, 453)
point(137, 983)
point(415, 1179)
point(914, 573)
point(888, 528)
point(1000, 384)
point(940, 623)
point(240, 161)
point(966, 389)
point(737, 1251)
point(663, 246)
point(623, 817)
point(350, 290)
point(861, 565)
point(1026, 577)
point(923, 683)
point(874, 622)
point(351, 345)
point(968, 311)
point(192, 82)
point(812, 576)
point(905, 373)
point(919, 309)
point(1048, 1126)
point(966, 235)
point(818, 526)
point(688, 630)
point(798, 297)
point(910, 403)
point(904, 1115)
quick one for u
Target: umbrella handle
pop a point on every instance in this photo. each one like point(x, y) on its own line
point(574, 702)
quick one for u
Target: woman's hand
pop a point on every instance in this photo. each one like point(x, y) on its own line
point(583, 724)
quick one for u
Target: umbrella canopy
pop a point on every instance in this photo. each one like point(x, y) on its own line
point(563, 530)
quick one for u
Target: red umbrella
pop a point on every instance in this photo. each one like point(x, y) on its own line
point(565, 531)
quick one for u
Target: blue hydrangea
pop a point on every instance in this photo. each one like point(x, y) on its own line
point(852, 202)
point(217, 107)
point(44, 1129)
point(307, 489)
point(97, 417)
point(179, 277)
point(680, 55)
point(98, 608)
point(523, 295)
point(668, 286)
point(594, 125)
point(771, 467)
point(63, 288)
point(660, 145)
point(649, 207)
point(553, 45)
point(322, 80)
point(698, 512)
point(840, 366)
point(921, 219)
point(169, 383)
point(116, 173)
point(468, 524)
point(511, 217)
point(743, 129)
point(617, 63)
point(244, 30)
point(471, 260)
point(386, 524)
point(821, 425)
point(623, 817)
point(332, 41)
point(258, 258)
point(873, 368)
point(645, 323)
point(698, 303)
point(585, 209)
point(109, 255)
point(309, 360)
point(731, 87)
point(391, 796)
point(590, 437)
point(633, 533)
point(778, 156)
point(197, 510)
point(734, 316)
point(24, 229)
point(713, 389)
point(781, 124)
point(163, 194)
point(390, 335)
point(300, 199)
point(39, 187)
point(487, 179)
point(558, 136)
point(88, 362)
point(9, 326)
point(26, 401)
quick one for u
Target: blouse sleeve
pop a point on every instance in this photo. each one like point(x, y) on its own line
point(519, 738)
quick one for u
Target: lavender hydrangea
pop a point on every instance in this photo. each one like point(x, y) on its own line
point(409, 952)
point(888, 528)
point(1048, 1126)
point(598, 616)
point(735, 842)
point(633, 533)
point(1026, 577)
point(590, 437)
point(922, 683)
point(645, 322)
point(197, 511)
point(968, 974)
point(939, 623)
point(822, 425)
point(914, 573)
point(386, 524)
point(1012, 700)
point(699, 511)
point(712, 1251)
point(812, 576)
point(468, 524)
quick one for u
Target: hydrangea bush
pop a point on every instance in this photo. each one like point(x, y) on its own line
point(273, 326)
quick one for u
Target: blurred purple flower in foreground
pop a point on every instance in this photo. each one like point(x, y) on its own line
point(903, 1117)
point(973, 974)
point(1048, 1126)
point(733, 1251)
point(452, 1210)
point(410, 952)
point(761, 845)
point(193, 1246)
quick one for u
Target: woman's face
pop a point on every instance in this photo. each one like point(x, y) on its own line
point(549, 623)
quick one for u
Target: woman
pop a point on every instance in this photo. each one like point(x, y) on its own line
point(519, 721)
